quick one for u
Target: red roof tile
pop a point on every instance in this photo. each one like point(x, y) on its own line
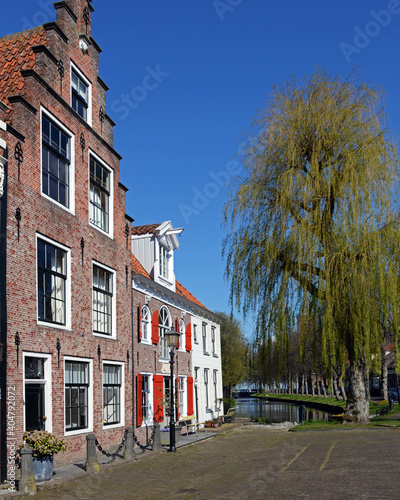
point(148, 229)
point(137, 267)
point(15, 55)
point(181, 290)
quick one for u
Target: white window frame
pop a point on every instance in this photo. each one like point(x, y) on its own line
point(113, 335)
point(182, 335)
point(110, 232)
point(122, 394)
point(214, 341)
point(51, 117)
point(163, 347)
point(182, 404)
point(195, 334)
point(67, 250)
point(150, 420)
point(79, 73)
point(204, 337)
point(215, 388)
point(164, 263)
point(90, 397)
point(206, 380)
point(143, 321)
point(47, 387)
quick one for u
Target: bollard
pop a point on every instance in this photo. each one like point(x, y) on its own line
point(27, 483)
point(91, 464)
point(157, 439)
point(129, 452)
point(391, 404)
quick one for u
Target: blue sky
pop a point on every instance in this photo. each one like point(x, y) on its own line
point(187, 77)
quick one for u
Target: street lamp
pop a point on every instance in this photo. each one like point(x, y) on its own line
point(172, 341)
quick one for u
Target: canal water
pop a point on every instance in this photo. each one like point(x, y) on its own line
point(275, 411)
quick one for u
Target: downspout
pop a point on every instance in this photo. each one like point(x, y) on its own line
point(3, 320)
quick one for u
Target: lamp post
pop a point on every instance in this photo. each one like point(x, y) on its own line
point(172, 341)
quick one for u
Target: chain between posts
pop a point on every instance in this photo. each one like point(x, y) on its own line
point(150, 442)
point(113, 455)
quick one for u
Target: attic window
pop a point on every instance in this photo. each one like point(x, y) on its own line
point(163, 262)
point(79, 95)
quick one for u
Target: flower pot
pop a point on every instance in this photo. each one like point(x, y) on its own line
point(165, 436)
point(208, 424)
point(42, 467)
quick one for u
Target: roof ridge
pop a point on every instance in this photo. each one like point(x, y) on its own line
point(22, 34)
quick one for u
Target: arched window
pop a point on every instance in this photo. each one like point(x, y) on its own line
point(146, 324)
point(182, 337)
point(164, 322)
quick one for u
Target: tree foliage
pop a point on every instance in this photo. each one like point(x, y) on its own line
point(314, 227)
point(233, 352)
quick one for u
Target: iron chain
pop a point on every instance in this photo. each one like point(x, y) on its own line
point(113, 455)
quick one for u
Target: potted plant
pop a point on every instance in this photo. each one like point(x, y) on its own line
point(44, 445)
point(208, 423)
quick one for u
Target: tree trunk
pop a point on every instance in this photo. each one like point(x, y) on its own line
point(312, 385)
point(343, 391)
point(318, 388)
point(384, 378)
point(335, 388)
point(323, 386)
point(306, 385)
point(302, 384)
point(357, 409)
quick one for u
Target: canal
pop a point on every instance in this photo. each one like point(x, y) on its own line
point(275, 411)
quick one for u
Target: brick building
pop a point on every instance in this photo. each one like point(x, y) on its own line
point(66, 286)
point(163, 303)
point(77, 354)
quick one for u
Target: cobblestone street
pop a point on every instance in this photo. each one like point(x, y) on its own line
point(252, 462)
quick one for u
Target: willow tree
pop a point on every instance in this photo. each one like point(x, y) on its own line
point(314, 230)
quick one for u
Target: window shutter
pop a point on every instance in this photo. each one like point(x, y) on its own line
point(177, 399)
point(139, 315)
point(154, 327)
point(190, 395)
point(189, 337)
point(139, 395)
point(158, 398)
point(177, 330)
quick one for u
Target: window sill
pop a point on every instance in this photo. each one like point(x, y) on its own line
point(104, 336)
point(113, 426)
point(215, 355)
point(79, 431)
point(145, 342)
point(206, 353)
point(57, 326)
point(108, 234)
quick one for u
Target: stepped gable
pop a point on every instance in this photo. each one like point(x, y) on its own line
point(16, 54)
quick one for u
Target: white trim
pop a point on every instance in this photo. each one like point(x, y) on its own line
point(67, 325)
point(48, 400)
point(74, 68)
point(113, 335)
point(148, 340)
point(71, 135)
point(90, 397)
point(110, 170)
point(151, 399)
point(122, 394)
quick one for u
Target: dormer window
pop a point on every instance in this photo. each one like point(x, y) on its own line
point(163, 261)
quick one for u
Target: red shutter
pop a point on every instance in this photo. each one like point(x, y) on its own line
point(139, 315)
point(158, 386)
point(190, 395)
point(189, 337)
point(177, 399)
point(139, 395)
point(177, 330)
point(154, 327)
